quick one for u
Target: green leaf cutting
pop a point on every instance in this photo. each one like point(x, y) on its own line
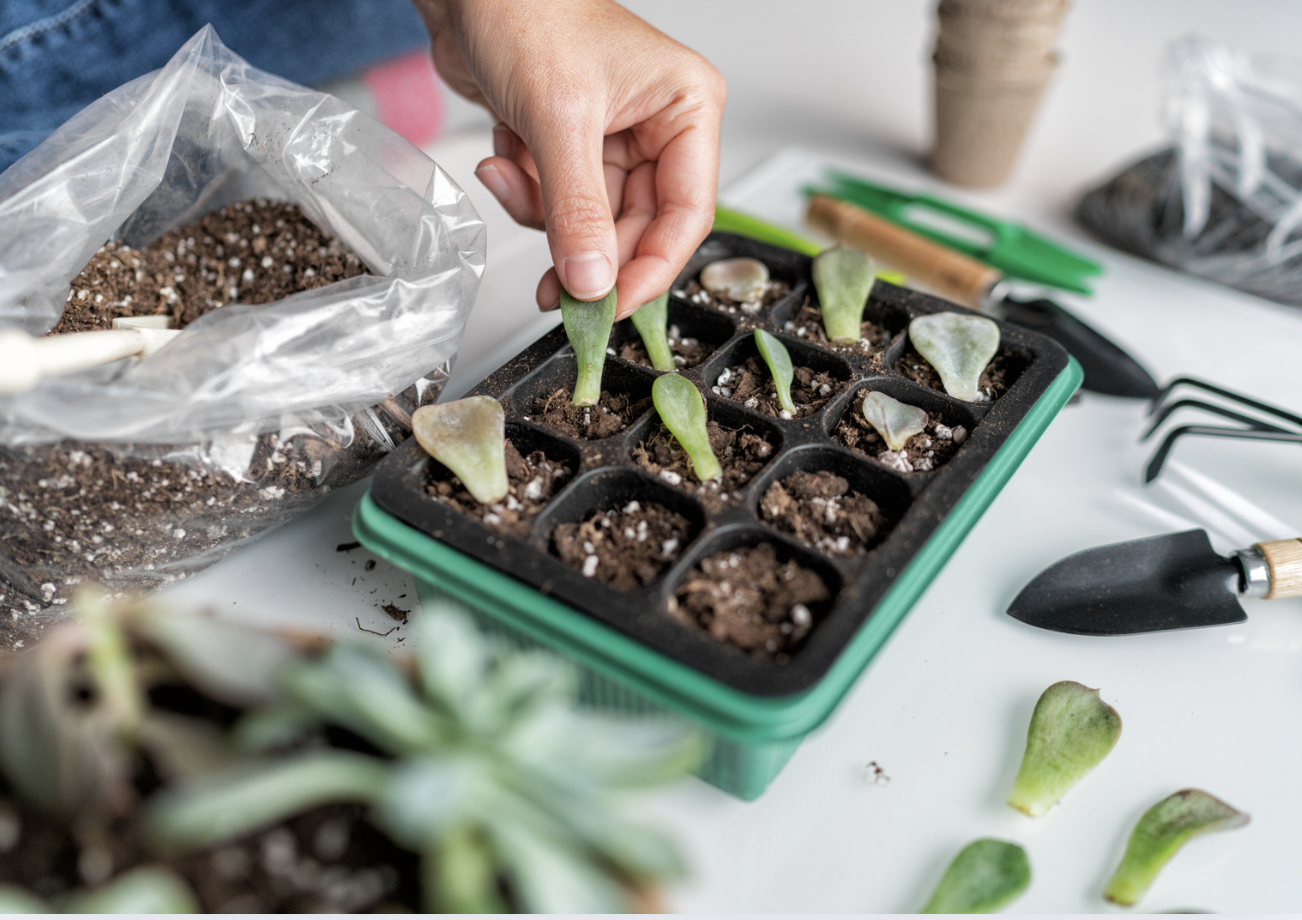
point(778, 359)
point(468, 436)
point(895, 421)
point(958, 346)
point(588, 324)
point(652, 323)
point(984, 876)
point(742, 279)
point(843, 278)
point(682, 410)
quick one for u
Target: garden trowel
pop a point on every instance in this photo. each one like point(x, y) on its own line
point(1172, 581)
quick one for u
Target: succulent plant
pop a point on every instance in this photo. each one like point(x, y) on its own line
point(1071, 731)
point(895, 421)
point(588, 325)
point(778, 359)
point(1160, 833)
point(468, 436)
point(958, 346)
point(651, 320)
point(147, 890)
point(682, 410)
point(984, 876)
point(742, 279)
point(844, 278)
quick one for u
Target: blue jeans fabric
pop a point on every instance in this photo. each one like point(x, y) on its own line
point(58, 56)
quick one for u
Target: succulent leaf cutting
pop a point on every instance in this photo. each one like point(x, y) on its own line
point(468, 436)
point(895, 421)
point(985, 876)
point(958, 346)
point(843, 278)
point(588, 325)
point(1071, 731)
point(778, 359)
point(651, 320)
point(742, 279)
point(682, 410)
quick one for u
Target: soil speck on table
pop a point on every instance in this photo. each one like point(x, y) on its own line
point(742, 453)
point(751, 385)
point(820, 510)
point(626, 547)
point(533, 479)
point(928, 450)
point(612, 414)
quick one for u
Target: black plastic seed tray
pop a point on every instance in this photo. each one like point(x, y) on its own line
point(915, 504)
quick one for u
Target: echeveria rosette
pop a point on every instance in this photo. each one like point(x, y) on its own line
point(651, 320)
point(985, 876)
point(1071, 731)
point(895, 421)
point(1161, 832)
point(588, 325)
point(778, 359)
point(743, 280)
point(468, 436)
point(844, 278)
point(959, 346)
point(682, 410)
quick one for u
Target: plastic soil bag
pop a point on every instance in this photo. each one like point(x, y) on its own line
point(135, 474)
point(1225, 201)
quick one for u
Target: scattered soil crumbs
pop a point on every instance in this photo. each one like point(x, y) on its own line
point(821, 511)
point(926, 451)
point(742, 453)
point(751, 384)
point(694, 293)
point(995, 379)
point(746, 598)
point(807, 324)
point(395, 612)
point(625, 548)
point(612, 414)
point(687, 352)
point(533, 480)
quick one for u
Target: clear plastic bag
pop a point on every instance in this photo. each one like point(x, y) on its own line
point(262, 409)
point(1225, 201)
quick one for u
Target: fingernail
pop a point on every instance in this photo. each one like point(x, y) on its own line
point(588, 275)
point(493, 181)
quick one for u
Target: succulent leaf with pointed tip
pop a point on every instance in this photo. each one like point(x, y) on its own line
point(895, 421)
point(1071, 731)
point(742, 279)
point(984, 876)
point(468, 436)
point(844, 278)
point(587, 325)
point(651, 320)
point(958, 346)
point(1160, 833)
point(778, 359)
point(682, 410)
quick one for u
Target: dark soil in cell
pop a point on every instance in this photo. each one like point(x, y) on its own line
point(746, 598)
point(693, 293)
point(626, 548)
point(820, 510)
point(533, 480)
point(688, 352)
point(929, 450)
point(751, 384)
point(994, 382)
point(742, 453)
point(612, 414)
point(807, 324)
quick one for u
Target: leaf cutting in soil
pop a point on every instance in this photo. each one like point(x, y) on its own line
point(468, 436)
point(682, 410)
point(895, 421)
point(651, 320)
point(742, 280)
point(778, 359)
point(844, 278)
point(1160, 834)
point(588, 325)
point(985, 876)
point(958, 346)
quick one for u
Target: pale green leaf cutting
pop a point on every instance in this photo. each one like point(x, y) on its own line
point(895, 421)
point(682, 410)
point(958, 346)
point(588, 324)
point(468, 436)
point(984, 876)
point(1161, 832)
point(743, 280)
point(1071, 731)
point(147, 890)
point(652, 323)
point(778, 359)
point(843, 278)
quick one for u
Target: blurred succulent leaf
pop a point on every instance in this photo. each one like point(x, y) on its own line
point(461, 874)
point(742, 279)
point(452, 654)
point(551, 877)
point(778, 359)
point(14, 900)
point(985, 876)
point(895, 421)
point(958, 346)
point(119, 696)
point(182, 748)
point(588, 325)
point(682, 410)
point(147, 890)
point(651, 320)
point(428, 796)
point(843, 278)
point(276, 727)
point(625, 754)
point(1071, 731)
point(468, 436)
point(1159, 835)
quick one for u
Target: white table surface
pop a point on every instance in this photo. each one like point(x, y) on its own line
point(943, 708)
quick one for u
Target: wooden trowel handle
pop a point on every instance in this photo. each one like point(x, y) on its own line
point(1285, 560)
point(951, 274)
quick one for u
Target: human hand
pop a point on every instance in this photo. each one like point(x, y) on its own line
point(609, 135)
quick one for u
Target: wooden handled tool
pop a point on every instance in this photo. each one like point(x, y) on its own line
point(1284, 562)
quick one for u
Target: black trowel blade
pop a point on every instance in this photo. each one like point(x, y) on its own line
point(1173, 581)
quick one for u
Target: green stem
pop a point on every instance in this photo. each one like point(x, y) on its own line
point(652, 323)
point(682, 410)
point(588, 324)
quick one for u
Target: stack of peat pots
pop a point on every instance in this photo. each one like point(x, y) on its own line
point(993, 59)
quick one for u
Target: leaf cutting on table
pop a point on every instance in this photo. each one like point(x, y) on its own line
point(985, 876)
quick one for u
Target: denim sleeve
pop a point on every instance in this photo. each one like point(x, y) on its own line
point(58, 56)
